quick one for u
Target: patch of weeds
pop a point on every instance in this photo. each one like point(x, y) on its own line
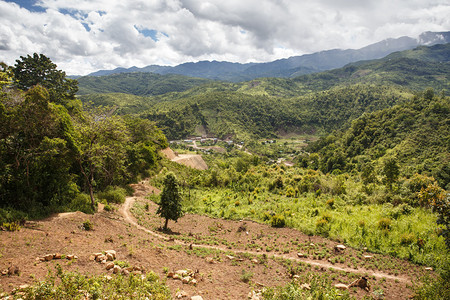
point(246, 276)
point(87, 225)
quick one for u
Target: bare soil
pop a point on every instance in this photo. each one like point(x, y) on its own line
point(220, 251)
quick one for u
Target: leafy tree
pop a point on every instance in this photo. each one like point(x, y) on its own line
point(170, 205)
point(40, 70)
point(390, 172)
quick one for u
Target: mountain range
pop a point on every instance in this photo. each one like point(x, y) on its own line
point(289, 67)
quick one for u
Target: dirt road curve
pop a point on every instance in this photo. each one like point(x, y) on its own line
point(125, 212)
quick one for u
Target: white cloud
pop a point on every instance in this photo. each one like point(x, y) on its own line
point(86, 35)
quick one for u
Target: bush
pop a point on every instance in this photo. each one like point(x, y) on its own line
point(278, 221)
point(81, 202)
point(113, 194)
point(384, 224)
point(87, 225)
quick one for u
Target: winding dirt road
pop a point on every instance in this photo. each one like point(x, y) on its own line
point(125, 212)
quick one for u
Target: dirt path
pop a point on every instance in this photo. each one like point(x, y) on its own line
point(125, 212)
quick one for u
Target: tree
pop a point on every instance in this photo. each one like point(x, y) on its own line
point(170, 205)
point(390, 172)
point(40, 70)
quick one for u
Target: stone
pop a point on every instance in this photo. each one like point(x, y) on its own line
point(108, 277)
point(109, 266)
point(361, 283)
point(125, 272)
point(301, 255)
point(341, 286)
point(97, 254)
point(48, 257)
point(112, 252)
point(100, 258)
point(209, 260)
point(186, 279)
point(13, 270)
point(5, 272)
point(109, 257)
point(71, 256)
point(229, 257)
point(57, 256)
point(194, 281)
point(340, 247)
point(429, 268)
point(197, 298)
point(182, 273)
point(181, 294)
point(170, 274)
point(116, 269)
point(255, 261)
point(367, 256)
point(305, 286)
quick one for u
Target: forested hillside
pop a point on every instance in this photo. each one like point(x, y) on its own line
point(415, 133)
point(54, 154)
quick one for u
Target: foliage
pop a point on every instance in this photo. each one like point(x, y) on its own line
point(170, 207)
point(113, 194)
point(38, 69)
point(140, 84)
point(73, 285)
point(50, 155)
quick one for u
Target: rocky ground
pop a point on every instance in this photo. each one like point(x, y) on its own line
point(201, 256)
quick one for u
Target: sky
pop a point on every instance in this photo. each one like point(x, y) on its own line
point(83, 36)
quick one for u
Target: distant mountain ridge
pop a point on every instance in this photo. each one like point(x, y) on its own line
point(292, 66)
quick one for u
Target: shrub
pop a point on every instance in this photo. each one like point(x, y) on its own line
point(384, 224)
point(407, 238)
point(246, 276)
point(13, 226)
point(87, 225)
point(278, 221)
point(81, 202)
point(113, 194)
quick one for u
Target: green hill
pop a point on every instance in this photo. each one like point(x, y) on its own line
point(416, 133)
point(140, 84)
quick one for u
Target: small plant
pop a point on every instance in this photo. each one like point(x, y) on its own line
point(246, 276)
point(13, 226)
point(278, 221)
point(384, 224)
point(87, 225)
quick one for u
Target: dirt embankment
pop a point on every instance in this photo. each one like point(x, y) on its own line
point(191, 160)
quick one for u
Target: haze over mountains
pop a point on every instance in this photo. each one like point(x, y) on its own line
point(290, 67)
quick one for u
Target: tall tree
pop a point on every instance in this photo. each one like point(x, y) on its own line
point(40, 70)
point(170, 205)
point(390, 171)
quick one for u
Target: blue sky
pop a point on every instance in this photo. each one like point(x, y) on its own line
point(87, 35)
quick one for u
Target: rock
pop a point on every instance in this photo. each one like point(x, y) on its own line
point(254, 295)
point(125, 272)
point(186, 279)
point(296, 277)
point(116, 269)
point(361, 283)
point(197, 298)
point(5, 272)
point(109, 266)
point(255, 261)
point(367, 256)
point(100, 258)
point(24, 286)
point(182, 273)
point(305, 286)
point(112, 252)
point(301, 255)
point(181, 294)
point(97, 254)
point(138, 269)
point(71, 256)
point(57, 256)
point(229, 257)
point(209, 260)
point(170, 274)
point(341, 286)
point(48, 257)
point(194, 281)
point(429, 268)
point(129, 269)
point(13, 270)
point(109, 257)
point(108, 277)
point(339, 247)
